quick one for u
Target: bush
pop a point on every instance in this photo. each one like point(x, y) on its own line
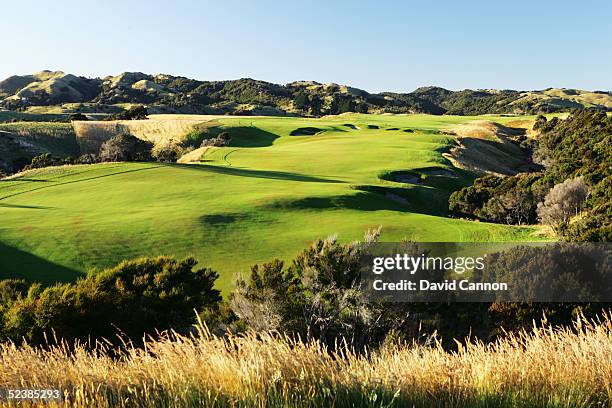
point(317, 297)
point(510, 200)
point(76, 116)
point(44, 160)
point(87, 159)
point(221, 140)
point(135, 297)
point(169, 152)
point(301, 101)
point(125, 147)
point(320, 296)
point(138, 112)
point(562, 202)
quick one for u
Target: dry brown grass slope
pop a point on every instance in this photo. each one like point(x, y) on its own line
point(158, 129)
point(546, 367)
point(486, 147)
point(569, 98)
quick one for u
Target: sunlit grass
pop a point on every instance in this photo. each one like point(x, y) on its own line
point(266, 195)
point(570, 367)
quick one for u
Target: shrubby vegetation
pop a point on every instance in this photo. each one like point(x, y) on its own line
point(136, 297)
point(563, 201)
point(318, 297)
point(576, 180)
point(76, 116)
point(138, 112)
point(510, 200)
point(44, 160)
point(169, 152)
point(48, 160)
point(221, 140)
point(172, 94)
point(468, 102)
point(125, 147)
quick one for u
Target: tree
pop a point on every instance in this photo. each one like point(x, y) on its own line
point(316, 105)
point(301, 101)
point(540, 123)
point(562, 202)
point(342, 104)
point(319, 296)
point(43, 160)
point(125, 147)
point(138, 112)
point(76, 116)
point(88, 158)
point(169, 152)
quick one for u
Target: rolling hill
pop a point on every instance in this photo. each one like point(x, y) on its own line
point(280, 184)
point(48, 91)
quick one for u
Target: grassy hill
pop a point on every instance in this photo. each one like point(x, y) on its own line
point(267, 195)
point(47, 87)
point(564, 99)
point(58, 92)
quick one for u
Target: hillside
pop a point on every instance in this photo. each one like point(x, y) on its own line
point(20, 142)
point(261, 194)
point(59, 92)
point(47, 88)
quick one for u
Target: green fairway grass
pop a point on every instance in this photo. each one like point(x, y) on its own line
point(267, 195)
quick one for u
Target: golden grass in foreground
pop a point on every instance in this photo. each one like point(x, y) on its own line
point(547, 367)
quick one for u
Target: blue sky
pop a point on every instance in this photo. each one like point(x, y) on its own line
point(374, 45)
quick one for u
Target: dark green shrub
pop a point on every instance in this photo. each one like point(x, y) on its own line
point(134, 298)
point(76, 116)
point(43, 160)
point(125, 147)
point(138, 112)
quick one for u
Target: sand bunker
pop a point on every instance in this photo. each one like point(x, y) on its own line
point(306, 131)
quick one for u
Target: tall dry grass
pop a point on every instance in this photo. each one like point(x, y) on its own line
point(91, 134)
point(545, 367)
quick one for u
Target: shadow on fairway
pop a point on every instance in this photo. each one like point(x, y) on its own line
point(241, 136)
point(24, 179)
point(25, 207)
point(423, 200)
point(362, 201)
point(265, 174)
point(18, 264)
point(250, 136)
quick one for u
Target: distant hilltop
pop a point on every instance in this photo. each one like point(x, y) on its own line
point(173, 94)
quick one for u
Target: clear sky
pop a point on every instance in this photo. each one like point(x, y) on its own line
point(374, 45)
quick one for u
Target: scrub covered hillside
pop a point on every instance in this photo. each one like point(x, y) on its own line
point(281, 183)
point(59, 92)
